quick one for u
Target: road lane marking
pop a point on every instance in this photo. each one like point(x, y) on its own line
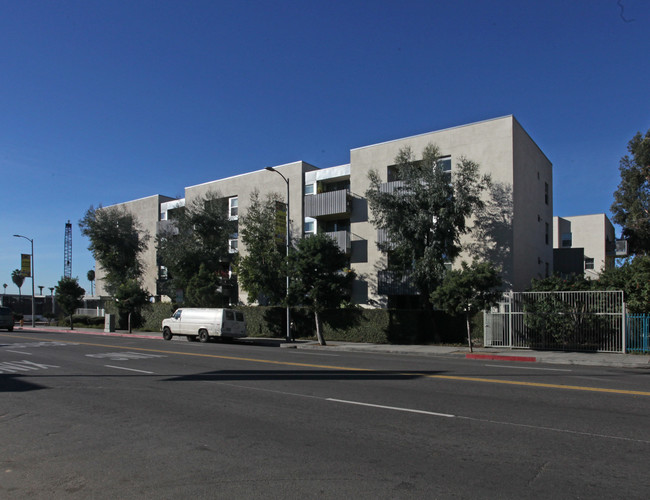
point(319, 354)
point(540, 384)
point(23, 366)
point(555, 429)
point(350, 369)
point(396, 408)
point(442, 415)
point(517, 367)
point(19, 352)
point(129, 369)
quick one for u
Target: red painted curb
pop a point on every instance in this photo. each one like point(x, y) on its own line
point(496, 357)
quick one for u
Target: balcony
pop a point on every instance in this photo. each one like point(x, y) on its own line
point(390, 283)
point(336, 203)
point(342, 239)
point(391, 187)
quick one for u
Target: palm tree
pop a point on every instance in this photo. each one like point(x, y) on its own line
point(18, 279)
point(91, 278)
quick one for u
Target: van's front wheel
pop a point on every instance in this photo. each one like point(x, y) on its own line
point(167, 333)
point(203, 336)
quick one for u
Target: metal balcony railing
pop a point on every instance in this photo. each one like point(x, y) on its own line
point(390, 283)
point(342, 239)
point(331, 203)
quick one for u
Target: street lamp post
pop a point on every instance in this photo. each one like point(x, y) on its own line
point(33, 308)
point(271, 169)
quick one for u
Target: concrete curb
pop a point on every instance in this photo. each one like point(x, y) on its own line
point(497, 357)
point(612, 360)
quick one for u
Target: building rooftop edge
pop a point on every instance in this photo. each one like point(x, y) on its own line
point(439, 130)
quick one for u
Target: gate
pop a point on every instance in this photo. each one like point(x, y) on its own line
point(584, 321)
point(638, 332)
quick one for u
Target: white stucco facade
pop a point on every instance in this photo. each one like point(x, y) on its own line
point(517, 236)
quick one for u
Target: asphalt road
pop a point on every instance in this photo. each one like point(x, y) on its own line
point(109, 417)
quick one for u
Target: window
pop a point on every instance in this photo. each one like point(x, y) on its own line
point(546, 233)
point(589, 263)
point(547, 270)
point(445, 166)
point(567, 239)
point(310, 227)
point(233, 243)
point(233, 205)
point(310, 189)
point(230, 316)
point(546, 193)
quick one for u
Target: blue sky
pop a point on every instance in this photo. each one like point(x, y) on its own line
point(108, 101)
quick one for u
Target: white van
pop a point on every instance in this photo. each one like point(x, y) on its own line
point(201, 324)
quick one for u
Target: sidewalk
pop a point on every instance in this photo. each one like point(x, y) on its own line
point(479, 353)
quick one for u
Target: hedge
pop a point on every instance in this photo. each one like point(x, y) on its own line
point(377, 326)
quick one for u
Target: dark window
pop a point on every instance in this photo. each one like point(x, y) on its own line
point(546, 193)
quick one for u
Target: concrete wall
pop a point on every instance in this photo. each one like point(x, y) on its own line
point(594, 233)
point(511, 233)
point(147, 213)
point(265, 182)
point(518, 170)
point(532, 209)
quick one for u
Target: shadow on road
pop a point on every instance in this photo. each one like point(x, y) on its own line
point(13, 383)
point(221, 375)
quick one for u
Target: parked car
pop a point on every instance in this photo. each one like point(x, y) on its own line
point(6, 318)
point(203, 323)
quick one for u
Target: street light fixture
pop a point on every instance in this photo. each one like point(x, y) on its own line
point(271, 169)
point(33, 308)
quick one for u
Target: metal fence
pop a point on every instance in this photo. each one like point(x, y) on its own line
point(638, 332)
point(97, 312)
point(584, 321)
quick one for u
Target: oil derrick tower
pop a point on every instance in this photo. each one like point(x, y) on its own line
point(67, 251)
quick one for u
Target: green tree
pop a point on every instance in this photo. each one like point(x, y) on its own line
point(261, 272)
point(468, 291)
point(631, 207)
point(130, 298)
point(197, 235)
point(557, 283)
point(91, 277)
point(117, 242)
point(68, 295)
point(18, 280)
point(319, 276)
point(203, 290)
point(425, 214)
point(633, 277)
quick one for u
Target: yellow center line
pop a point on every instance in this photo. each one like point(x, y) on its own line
point(351, 369)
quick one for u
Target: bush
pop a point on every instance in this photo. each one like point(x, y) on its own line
point(153, 315)
point(377, 326)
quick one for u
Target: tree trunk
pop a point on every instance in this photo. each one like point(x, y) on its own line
point(319, 334)
point(469, 334)
point(129, 322)
point(71, 325)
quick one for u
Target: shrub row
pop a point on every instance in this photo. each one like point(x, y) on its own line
point(377, 326)
point(82, 320)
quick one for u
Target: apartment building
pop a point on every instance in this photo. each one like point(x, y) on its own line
point(515, 231)
point(584, 244)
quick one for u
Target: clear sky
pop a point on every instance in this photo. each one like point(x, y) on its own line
point(108, 101)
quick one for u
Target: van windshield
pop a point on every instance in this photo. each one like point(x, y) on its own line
point(239, 316)
point(230, 316)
